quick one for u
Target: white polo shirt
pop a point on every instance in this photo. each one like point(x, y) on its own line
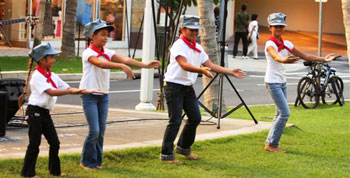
point(95, 77)
point(175, 73)
point(38, 86)
point(275, 72)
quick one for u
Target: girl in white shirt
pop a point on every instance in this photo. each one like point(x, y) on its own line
point(97, 62)
point(279, 52)
point(253, 35)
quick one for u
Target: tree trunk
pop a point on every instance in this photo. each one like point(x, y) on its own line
point(346, 17)
point(49, 29)
point(38, 34)
point(208, 41)
point(68, 37)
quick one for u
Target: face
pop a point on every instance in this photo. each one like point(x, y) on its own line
point(47, 62)
point(277, 30)
point(100, 39)
point(190, 34)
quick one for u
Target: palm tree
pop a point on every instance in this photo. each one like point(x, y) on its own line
point(208, 41)
point(346, 17)
point(38, 33)
point(68, 38)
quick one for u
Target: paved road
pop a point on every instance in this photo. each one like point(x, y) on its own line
point(125, 93)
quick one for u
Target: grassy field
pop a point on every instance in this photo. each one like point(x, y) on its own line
point(318, 146)
point(60, 66)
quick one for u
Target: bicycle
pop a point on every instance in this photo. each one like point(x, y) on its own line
point(320, 82)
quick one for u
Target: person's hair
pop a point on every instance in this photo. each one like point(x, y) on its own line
point(244, 7)
point(25, 90)
point(254, 16)
point(216, 11)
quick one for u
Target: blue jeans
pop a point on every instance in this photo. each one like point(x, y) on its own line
point(180, 97)
point(96, 111)
point(278, 92)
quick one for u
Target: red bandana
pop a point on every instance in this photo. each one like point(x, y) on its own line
point(46, 74)
point(100, 53)
point(280, 44)
point(192, 44)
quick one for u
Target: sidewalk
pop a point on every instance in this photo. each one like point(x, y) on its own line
point(125, 129)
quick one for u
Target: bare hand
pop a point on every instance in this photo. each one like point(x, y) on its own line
point(238, 73)
point(205, 71)
point(153, 64)
point(291, 59)
point(329, 57)
point(129, 73)
point(75, 91)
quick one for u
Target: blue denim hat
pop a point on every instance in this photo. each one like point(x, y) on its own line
point(41, 51)
point(275, 19)
point(190, 21)
point(96, 25)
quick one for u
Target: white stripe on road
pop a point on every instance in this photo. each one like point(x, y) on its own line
point(287, 84)
point(262, 76)
point(128, 91)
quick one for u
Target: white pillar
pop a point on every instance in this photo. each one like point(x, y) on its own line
point(148, 48)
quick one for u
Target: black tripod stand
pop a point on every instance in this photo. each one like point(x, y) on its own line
point(222, 43)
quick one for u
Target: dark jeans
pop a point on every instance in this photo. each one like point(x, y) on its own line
point(40, 122)
point(180, 97)
point(238, 36)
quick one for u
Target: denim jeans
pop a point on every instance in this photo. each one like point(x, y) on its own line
point(278, 92)
point(180, 97)
point(40, 122)
point(96, 111)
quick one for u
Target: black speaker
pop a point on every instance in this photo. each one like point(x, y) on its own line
point(14, 88)
point(3, 112)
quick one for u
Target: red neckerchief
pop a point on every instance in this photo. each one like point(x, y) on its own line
point(46, 74)
point(99, 53)
point(192, 44)
point(280, 44)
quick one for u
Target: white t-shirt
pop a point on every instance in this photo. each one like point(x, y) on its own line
point(175, 73)
point(95, 77)
point(38, 86)
point(275, 72)
point(251, 25)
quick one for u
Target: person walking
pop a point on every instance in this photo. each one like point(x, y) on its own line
point(97, 62)
point(241, 31)
point(253, 36)
point(279, 52)
point(185, 60)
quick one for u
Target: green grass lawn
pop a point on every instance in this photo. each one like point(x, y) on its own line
point(318, 146)
point(61, 65)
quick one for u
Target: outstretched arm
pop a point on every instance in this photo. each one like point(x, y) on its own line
point(133, 62)
point(219, 69)
point(276, 57)
point(111, 65)
point(191, 68)
point(310, 57)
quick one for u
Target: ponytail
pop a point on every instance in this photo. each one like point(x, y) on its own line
point(25, 90)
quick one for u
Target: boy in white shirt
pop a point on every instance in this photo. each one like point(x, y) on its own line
point(185, 61)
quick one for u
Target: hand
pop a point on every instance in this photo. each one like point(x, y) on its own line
point(329, 57)
point(98, 91)
point(129, 73)
point(153, 64)
point(75, 91)
point(205, 71)
point(238, 73)
point(291, 59)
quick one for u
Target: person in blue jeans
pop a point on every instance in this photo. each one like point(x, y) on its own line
point(279, 52)
point(97, 62)
point(185, 61)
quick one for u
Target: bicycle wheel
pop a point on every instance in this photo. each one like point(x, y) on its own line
point(338, 89)
point(328, 94)
point(308, 93)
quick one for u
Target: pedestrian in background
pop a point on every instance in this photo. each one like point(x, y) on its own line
point(253, 36)
point(97, 62)
point(185, 63)
point(45, 87)
point(241, 31)
point(279, 52)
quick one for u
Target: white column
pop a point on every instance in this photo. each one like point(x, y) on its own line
point(148, 48)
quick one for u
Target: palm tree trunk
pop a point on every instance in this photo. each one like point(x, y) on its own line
point(346, 17)
point(38, 34)
point(208, 41)
point(68, 37)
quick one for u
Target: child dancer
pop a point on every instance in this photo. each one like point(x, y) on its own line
point(277, 52)
point(97, 61)
point(185, 61)
point(45, 87)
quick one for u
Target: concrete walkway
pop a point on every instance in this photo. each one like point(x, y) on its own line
point(125, 129)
